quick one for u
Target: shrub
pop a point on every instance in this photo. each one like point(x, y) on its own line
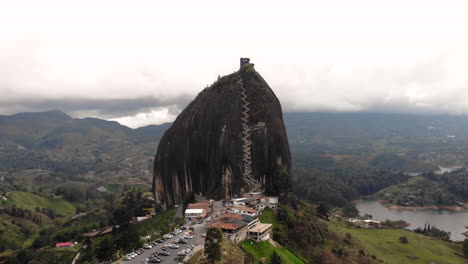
point(403, 240)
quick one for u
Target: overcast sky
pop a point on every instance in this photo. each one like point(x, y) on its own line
point(142, 62)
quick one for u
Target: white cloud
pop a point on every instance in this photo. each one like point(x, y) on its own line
point(365, 55)
point(154, 116)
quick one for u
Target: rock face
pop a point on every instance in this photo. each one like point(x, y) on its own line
point(229, 140)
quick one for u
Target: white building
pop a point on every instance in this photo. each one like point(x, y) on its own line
point(271, 202)
point(194, 213)
point(260, 232)
point(242, 210)
point(236, 201)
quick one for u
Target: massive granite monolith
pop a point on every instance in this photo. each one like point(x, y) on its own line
point(229, 140)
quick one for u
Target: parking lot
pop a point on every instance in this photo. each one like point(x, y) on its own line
point(197, 239)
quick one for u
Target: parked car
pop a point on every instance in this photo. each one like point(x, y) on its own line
point(155, 260)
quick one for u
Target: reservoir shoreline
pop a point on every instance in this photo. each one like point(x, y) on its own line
point(421, 208)
point(453, 221)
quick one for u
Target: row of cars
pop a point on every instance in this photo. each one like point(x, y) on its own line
point(186, 251)
point(155, 257)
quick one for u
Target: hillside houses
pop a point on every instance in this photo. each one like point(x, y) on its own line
point(368, 223)
point(242, 210)
point(240, 220)
point(237, 227)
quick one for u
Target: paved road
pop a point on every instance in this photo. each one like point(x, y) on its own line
point(217, 208)
point(199, 229)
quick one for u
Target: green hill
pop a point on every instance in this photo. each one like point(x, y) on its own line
point(384, 244)
point(31, 201)
point(300, 230)
point(265, 249)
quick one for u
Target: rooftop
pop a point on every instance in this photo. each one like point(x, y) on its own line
point(231, 216)
point(260, 228)
point(194, 211)
point(243, 208)
point(227, 226)
point(238, 199)
point(205, 206)
point(65, 244)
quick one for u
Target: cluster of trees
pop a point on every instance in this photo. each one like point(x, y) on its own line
point(433, 231)
point(35, 216)
point(72, 192)
point(12, 235)
point(132, 205)
point(456, 182)
point(296, 228)
point(339, 186)
point(392, 161)
point(125, 238)
point(213, 240)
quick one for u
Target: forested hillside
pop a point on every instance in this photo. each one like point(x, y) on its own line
point(348, 154)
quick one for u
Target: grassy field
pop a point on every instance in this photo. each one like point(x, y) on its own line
point(268, 216)
point(31, 201)
point(265, 249)
point(385, 245)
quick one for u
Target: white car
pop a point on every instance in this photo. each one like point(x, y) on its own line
point(173, 246)
point(130, 256)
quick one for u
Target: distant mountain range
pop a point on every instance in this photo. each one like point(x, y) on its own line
point(55, 141)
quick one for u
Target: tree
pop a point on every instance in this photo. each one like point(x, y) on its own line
point(275, 258)
point(465, 247)
point(323, 210)
point(105, 249)
point(350, 211)
point(214, 237)
point(403, 240)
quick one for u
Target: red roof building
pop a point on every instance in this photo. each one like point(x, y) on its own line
point(65, 244)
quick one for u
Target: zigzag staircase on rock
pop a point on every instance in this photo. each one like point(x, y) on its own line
point(246, 142)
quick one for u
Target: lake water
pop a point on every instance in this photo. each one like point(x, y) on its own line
point(446, 220)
